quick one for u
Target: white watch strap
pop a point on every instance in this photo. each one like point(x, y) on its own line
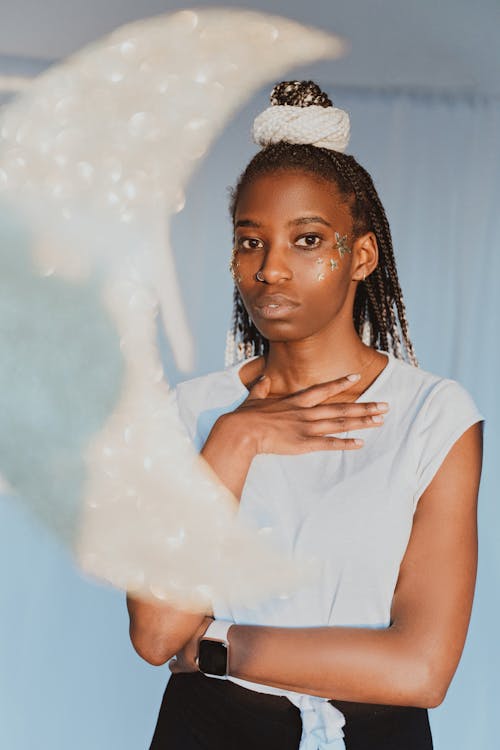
point(217, 630)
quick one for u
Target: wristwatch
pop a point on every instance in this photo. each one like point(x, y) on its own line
point(213, 650)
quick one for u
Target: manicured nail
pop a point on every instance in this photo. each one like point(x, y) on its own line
point(383, 406)
point(355, 376)
point(378, 418)
point(359, 442)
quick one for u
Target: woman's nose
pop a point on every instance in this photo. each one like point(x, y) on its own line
point(275, 265)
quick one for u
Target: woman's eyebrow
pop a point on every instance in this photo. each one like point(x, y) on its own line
point(294, 222)
point(247, 223)
point(309, 220)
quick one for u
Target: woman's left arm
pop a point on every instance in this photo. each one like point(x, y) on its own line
point(412, 661)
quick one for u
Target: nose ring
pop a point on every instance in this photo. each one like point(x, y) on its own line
point(259, 276)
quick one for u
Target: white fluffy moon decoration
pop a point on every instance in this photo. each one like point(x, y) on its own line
point(94, 159)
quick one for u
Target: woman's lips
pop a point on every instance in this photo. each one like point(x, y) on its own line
point(274, 306)
point(274, 311)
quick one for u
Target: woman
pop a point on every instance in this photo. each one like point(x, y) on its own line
point(347, 456)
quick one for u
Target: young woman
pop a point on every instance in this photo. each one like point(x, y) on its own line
point(345, 454)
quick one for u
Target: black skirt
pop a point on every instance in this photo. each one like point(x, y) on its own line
point(202, 713)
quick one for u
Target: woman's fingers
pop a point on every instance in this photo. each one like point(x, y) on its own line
point(347, 410)
point(336, 426)
point(333, 444)
point(305, 421)
point(316, 394)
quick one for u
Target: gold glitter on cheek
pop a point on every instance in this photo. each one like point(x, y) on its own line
point(333, 264)
point(320, 277)
point(341, 244)
point(319, 261)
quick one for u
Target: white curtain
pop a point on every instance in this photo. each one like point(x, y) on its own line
point(68, 676)
point(437, 164)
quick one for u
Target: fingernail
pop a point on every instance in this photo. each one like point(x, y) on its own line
point(383, 406)
point(359, 442)
point(378, 418)
point(355, 376)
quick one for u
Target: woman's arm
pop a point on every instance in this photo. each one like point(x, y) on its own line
point(287, 425)
point(158, 630)
point(413, 661)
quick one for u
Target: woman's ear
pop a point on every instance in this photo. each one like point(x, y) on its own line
point(364, 256)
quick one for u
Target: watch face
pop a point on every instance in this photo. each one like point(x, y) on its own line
point(212, 657)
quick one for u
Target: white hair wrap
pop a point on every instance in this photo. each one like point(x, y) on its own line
point(326, 127)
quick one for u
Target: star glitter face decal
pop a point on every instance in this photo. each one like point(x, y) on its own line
point(333, 264)
point(341, 244)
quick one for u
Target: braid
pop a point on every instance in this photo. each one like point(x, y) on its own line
point(242, 327)
point(396, 296)
point(384, 279)
point(379, 313)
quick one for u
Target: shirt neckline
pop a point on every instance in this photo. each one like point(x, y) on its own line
point(234, 371)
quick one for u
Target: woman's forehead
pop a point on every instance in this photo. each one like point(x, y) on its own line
point(286, 193)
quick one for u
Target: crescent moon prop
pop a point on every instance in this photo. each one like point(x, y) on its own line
point(94, 160)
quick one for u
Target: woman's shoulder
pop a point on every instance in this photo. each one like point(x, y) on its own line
point(204, 398)
point(426, 393)
point(433, 411)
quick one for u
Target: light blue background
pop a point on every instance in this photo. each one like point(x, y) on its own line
point(68, 675)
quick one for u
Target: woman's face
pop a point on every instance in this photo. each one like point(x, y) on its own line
point(292, 257)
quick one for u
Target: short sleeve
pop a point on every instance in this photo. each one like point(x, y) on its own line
point(183, 401)
point(447, 412)
point(181, 409)
point(201, 401)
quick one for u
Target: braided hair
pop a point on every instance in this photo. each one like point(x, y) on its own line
point(379, 313)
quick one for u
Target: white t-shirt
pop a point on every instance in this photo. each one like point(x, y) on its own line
point(350, 512)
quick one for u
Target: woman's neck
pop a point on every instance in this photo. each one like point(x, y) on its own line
point(295, 365)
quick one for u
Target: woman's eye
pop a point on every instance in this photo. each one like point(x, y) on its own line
point(309, 240)
point(249, 243)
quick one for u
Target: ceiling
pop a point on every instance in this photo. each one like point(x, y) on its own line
point(445, 46)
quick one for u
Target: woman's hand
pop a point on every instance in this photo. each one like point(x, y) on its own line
point(185, 659)
point(302, 422)
point(299, 423)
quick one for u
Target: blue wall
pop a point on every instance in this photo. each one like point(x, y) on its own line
point(68, 675)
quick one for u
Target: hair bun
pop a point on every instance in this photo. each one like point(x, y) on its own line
point(303, 114)
point(299, 94)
